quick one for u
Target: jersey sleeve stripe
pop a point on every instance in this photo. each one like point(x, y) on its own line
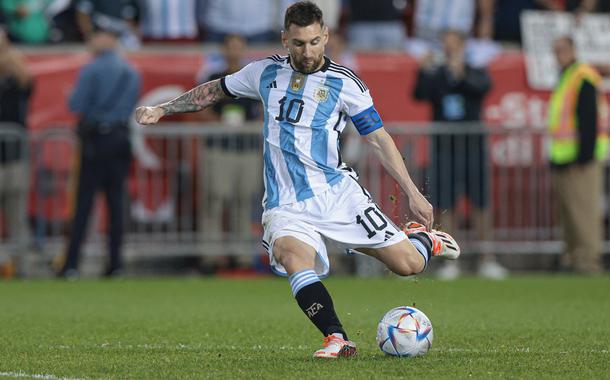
point(353, 74)
point(358, 83)
point(225, 89)
point(277, 58)
point(350, 74)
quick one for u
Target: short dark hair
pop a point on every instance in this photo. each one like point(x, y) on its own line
point(303, 13)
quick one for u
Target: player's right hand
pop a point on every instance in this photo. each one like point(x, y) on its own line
point(149, 115)
point(420, 210)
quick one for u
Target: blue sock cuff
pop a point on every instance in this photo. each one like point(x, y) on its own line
point(421, 248)
point(301, 279)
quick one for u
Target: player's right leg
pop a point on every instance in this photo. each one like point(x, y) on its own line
point(298, 259)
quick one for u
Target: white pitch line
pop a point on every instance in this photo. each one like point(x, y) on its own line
point(36, 376)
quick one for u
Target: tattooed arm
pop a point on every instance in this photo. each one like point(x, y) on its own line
point(194, 100)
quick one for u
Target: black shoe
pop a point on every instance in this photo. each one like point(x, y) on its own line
point(70, 274)
point(113, 273)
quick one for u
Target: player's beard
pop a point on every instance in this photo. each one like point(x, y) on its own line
point(307, 67)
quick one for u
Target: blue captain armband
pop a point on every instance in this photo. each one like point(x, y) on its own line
point(367, 121)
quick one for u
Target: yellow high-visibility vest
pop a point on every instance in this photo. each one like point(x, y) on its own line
point(563, 121)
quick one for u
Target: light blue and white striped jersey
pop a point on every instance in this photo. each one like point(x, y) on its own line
point(304, 116)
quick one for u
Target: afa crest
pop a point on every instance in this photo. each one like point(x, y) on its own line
point(297, 81)
point(320, 94)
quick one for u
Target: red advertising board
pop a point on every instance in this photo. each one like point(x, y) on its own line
point(390, 77)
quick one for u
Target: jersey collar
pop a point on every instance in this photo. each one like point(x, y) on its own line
point(324, 67)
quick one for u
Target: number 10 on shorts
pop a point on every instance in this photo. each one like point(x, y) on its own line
point(372, 221)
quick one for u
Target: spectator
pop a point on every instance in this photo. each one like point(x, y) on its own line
point(507, 19)
point(376, 24)
point(434, 17)
point(471, 18)
point(169, 20)
point(507, 22)
point(63, 22)
point(253, 19)
point(459, 158)
point(120, 15)
point(104, 98)
point(578, 118)
point(27, 20)
point(15, 91)
point(231, 163)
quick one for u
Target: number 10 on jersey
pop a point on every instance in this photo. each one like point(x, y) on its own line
point(287, 112)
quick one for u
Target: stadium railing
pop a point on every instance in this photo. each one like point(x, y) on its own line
point(13, 179)
point(170, 189)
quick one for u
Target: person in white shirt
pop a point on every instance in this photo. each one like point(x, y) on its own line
point(167, 20)
point(311, 196)
point(253, 19)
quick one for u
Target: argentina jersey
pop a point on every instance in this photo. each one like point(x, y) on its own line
point(304, 114)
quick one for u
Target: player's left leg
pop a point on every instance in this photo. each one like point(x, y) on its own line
point(297, 250)
point(298, 259)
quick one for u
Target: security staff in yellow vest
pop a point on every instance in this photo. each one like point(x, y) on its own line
point(578, 123)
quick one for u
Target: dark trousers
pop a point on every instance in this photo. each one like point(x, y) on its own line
point(105, 169)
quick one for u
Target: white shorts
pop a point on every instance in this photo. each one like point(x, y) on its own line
point(344, 215)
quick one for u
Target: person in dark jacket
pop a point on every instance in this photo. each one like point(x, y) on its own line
point(104, 98)
point(456, 91)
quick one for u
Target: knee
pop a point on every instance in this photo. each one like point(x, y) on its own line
point(408, 265)
point(291, 257)
point(285, 254)
point(289, 260)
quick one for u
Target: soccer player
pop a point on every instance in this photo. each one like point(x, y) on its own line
point(310, 195)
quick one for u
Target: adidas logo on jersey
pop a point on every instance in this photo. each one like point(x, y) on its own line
point(272, 85)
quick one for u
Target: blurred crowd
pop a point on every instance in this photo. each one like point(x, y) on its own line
point(365, 24)
point(451, 39)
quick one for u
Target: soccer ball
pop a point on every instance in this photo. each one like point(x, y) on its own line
point(405, 331)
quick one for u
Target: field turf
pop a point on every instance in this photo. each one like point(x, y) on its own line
point(540, 327)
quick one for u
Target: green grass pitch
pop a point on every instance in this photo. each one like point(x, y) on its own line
point(534, 327)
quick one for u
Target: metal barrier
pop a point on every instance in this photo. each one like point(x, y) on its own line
point(196, 189)
point(192, 190)
point(14, 182)
point(202, 192)
point(53, 165)
point(490, 186)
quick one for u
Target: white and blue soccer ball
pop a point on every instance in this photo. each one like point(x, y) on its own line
point(405, 331)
